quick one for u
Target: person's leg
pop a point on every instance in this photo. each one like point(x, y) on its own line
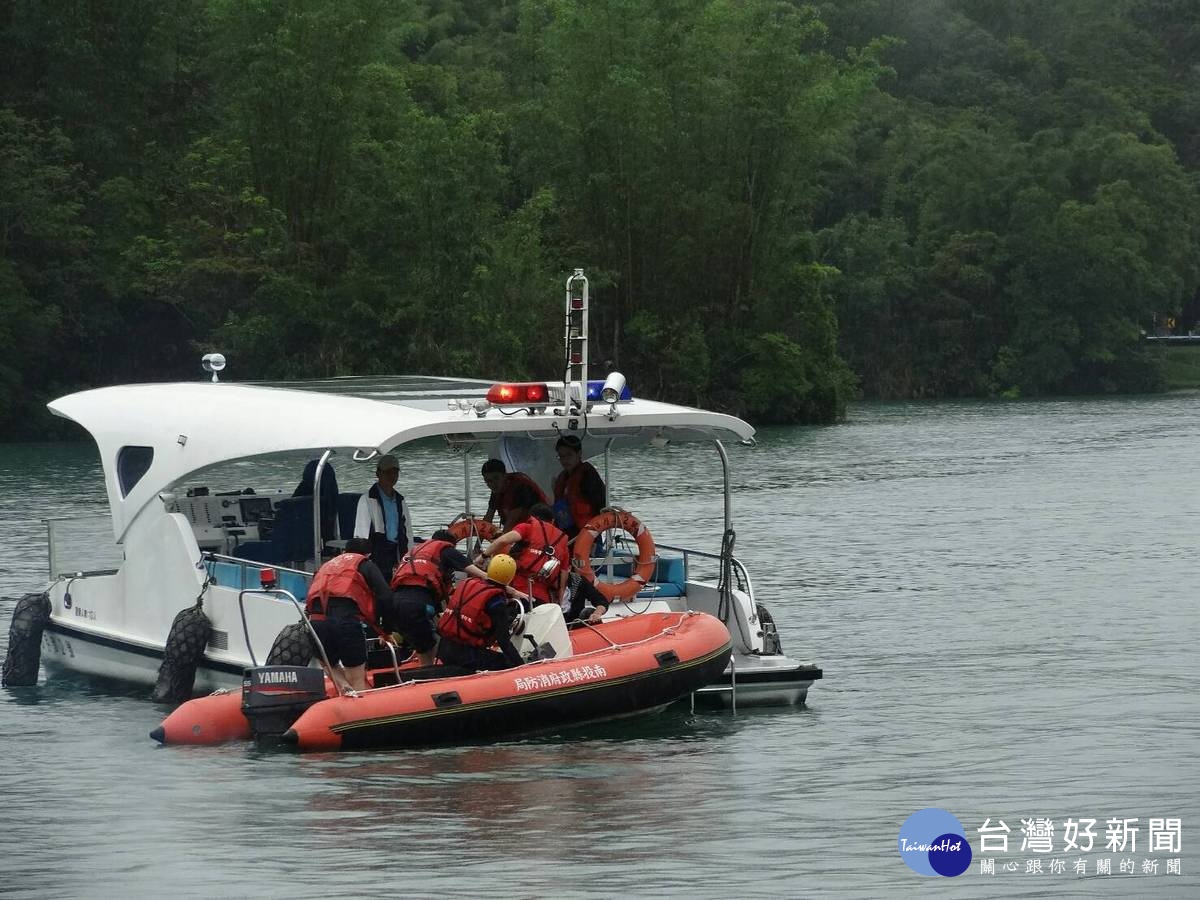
point(356, 677)
point(476, 659)
point(352, 650)
point(412, 619)
point(329, 634)
point(490, 660)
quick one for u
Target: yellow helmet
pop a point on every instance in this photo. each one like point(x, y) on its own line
point(502, 568)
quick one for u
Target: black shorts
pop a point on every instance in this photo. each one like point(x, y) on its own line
point(344, 640)
point(411, 616)
point(476, 659)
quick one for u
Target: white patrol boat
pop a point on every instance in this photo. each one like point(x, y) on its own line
point(185, 546)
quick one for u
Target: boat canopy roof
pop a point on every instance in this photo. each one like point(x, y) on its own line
point(164, 432)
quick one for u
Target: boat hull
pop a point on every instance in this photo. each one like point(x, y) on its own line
point(79, 651)
point(657, 660)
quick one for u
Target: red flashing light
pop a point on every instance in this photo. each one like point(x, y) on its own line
point(522, 394)
point(266, 577)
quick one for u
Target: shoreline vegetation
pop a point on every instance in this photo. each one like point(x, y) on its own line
point(780, 206)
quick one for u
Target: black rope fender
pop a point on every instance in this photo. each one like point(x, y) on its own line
point(29, 620)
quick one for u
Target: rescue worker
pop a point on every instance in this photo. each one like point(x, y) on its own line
point(513, 494)
point(541, 553)
point(382, 516)
point(579, 492)
point(477, 622)
point(421, 585)
point(347, 593)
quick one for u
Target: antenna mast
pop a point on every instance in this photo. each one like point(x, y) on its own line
point(575, 340)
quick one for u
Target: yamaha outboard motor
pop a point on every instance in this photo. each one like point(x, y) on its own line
point(273, 697)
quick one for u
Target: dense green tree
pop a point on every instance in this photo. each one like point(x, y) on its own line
point(774, 201)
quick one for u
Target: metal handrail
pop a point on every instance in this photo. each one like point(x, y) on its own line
point(245, 563)
point(318, 532)
point(687, 551)
point(303, 618)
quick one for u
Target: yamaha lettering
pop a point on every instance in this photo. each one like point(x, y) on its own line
point(288, 677)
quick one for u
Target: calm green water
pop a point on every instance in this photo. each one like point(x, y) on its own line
point(1001, 597)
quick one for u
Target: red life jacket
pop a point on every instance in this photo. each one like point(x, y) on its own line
point(422, 567)
point(546, 542)
point(569, 486)
point(507, 499)
point(465, 619)
point(340, 578)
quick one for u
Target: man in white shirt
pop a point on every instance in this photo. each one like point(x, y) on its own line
point(382, 517)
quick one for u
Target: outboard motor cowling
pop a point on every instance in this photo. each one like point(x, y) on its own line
point(273, 697)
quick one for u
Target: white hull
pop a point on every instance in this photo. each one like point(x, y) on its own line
point(68, 649)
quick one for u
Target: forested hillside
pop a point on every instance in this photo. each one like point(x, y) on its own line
point(778, 204)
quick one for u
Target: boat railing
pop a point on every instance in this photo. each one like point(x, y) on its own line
point(80, 546)
point(688, 553)
point(222, 568)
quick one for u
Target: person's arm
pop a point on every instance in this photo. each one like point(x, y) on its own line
point(592, 595)
point(375, 581)
point(492, 509)
point(564, 575)
point(503, 614)
point(501, 544)
point(408, 522)
point(362, 517)
point(456, 561)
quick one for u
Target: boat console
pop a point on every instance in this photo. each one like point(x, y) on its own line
point(221, 522)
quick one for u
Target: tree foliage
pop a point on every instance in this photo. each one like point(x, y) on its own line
point(777, 203)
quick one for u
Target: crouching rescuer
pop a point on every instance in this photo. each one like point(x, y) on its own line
point(345, 596)
point(478, 620)
point(421, 584)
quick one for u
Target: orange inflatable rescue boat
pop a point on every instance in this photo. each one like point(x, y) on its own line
point(617, 668)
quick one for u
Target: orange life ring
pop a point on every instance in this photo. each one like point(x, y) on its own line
point(474, 526)
point(644, 569)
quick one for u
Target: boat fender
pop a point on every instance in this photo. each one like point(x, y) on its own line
point(185, 646)
point(29, 619)
point(293, 646)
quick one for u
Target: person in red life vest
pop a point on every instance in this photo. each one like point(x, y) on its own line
point(540, 549)
point(477, 622)
point(421, 586)
point(347, 593)
point(579, 490)
point(513, 494)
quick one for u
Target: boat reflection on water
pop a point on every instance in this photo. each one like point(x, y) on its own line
point(508, 797)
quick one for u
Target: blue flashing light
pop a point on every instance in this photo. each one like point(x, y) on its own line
point(595, 387)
